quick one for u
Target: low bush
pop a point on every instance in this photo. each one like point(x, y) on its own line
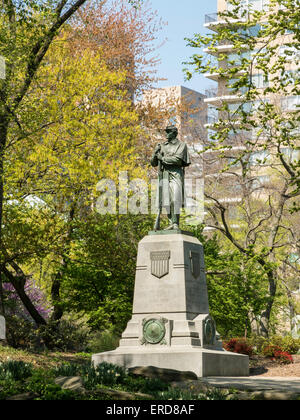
point(257, 342)
point(15, 370)
point(103, 341)
point(66, 369)
point(67, 335)
point(238, 345)
point(287, 343)
point(270, 350)
point(277, 354)
point(283, 357)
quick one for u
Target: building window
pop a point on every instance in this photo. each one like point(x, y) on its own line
point(234, 89)
point(251, 31)
point(259, 158)
point(237, 59)
point(290, 154)
point(239, 107)
point(290, 103)
point(260, 181)
point(260, 80)
point(290, 77)
point(250, 5)
point(290, 53)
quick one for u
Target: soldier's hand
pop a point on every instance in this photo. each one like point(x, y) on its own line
point(157, 149)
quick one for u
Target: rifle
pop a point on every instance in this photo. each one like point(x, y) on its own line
point(160, 191)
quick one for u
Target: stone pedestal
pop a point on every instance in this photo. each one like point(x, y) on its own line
point(2, 328)
point(170, 325)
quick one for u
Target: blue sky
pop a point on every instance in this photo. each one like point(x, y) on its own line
point(184, 17)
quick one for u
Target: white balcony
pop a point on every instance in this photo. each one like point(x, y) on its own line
point(216, 76)
point(223, 49)
point(212, 125)
point(219, 49)
point(213, 21)
point(218, 101)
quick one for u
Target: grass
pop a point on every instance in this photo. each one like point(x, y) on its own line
point(34, 373)
point(43, 360)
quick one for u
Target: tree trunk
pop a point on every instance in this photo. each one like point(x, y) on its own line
point(55, 297)
point(57, 278)
point(19, 282)
point(266, 315)
point(3, 138)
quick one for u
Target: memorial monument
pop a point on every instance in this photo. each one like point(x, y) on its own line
point(171, 326)
point(2, 328)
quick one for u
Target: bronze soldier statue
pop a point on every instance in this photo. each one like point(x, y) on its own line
point(171, 157)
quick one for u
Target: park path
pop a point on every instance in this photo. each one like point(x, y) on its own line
point(256, 383)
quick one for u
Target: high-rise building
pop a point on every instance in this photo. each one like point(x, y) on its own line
point(185, 108)
point(224, 56)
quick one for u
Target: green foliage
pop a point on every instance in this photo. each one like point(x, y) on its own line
point(270, 350)
point(103, 341)
point(104, 374)
point(267, 346)
point(10, 387)
point(15, 370)
point(68, 124)
point(67, 335)
point(234, 283)
point(42, 384)
point(99, 279)
point(286, 343)
point(238, 345)
point(144, 385)
point(66, 369)
point(179, 394)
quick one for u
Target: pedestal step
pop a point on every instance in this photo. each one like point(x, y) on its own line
point(203, 362)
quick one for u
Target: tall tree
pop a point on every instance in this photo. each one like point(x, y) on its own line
point(28, 117)
point(253, 156)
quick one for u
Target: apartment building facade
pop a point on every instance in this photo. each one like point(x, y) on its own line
point(185, 108)
point(227, 104)
point(248, 174)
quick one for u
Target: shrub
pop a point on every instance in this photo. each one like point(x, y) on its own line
point(20, 333)
point(283, 357)
point(67, 369)
point(109, 374)
point(270, 350)
point(287, 343)
point(67, 335)
point(15, 370)
point(103, 341)
point(277, 354)
point(104, 374)
point(238, 345)
point(36, 295)
point(135, 383)
point(257, 342)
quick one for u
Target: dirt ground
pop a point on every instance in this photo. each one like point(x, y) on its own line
point(266, 367)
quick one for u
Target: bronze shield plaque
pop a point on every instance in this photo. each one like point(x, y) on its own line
point(160, 263)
